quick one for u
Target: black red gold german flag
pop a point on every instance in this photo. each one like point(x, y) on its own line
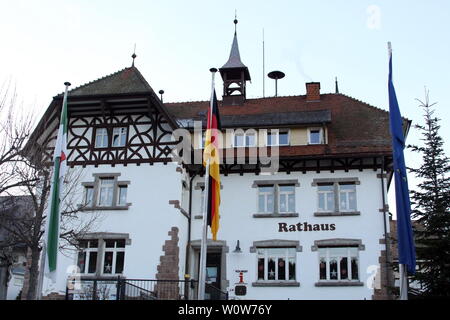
point(211, 153)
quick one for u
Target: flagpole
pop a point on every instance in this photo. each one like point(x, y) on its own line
point(406, 250)
point(43, 264)
point(403, 282)
point(401, 267)
point(203, 246)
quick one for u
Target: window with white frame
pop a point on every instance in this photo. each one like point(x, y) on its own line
point(101, 256)
point(347, 196)
point(113, 256)
point(276, 198)
point(276, 264)
point(247, 139)
point(101, 138)
point(337, 196)
point(315, 136)
point(119, 137)
point(239, 140)
point(88, 196)
point(286, 198)
point(266, 194)
point(106, 191)
point(278, 138)
point(87, 257)
point(338, 264)
point(250, 139)
point(326, 197)
point(122, 196)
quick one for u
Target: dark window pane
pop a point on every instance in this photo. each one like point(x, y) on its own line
point(83, 243)
point(120, 257)
point(266, 188)
point(271, 269)
point(120, 243)
point(281, 269)
point(109, 243)
point(92, 262)
point(355, 269)
point(291, 269)
point(333, 269)
point(323, 269)
point(107, 265)
point(93, 244)
point(344, 271)
point(81, 261)
point(261, 269)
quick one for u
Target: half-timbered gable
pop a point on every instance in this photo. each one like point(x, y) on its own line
point(117, 119)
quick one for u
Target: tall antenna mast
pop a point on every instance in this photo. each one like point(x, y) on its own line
point(264, 71)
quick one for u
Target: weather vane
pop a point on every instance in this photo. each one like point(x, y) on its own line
point(134, 55)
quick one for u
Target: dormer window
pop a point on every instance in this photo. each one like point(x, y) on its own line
point(278, 138)
point(315, 136)
point(247, 139)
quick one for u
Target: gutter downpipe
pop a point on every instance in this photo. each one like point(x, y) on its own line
point(386, 238)
point(187, 265)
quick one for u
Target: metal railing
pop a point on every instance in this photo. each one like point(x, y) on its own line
point(138, 289)
point(213, 293)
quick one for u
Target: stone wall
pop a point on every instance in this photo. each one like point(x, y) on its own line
point(384, 290)
point(168, 269)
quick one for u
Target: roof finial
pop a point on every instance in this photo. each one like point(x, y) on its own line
point(235, 20)
point(336, 85)
point(134, 55)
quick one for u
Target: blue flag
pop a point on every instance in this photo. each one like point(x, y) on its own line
point(406, 248)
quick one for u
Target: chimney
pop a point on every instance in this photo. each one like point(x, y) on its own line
point(312, 91)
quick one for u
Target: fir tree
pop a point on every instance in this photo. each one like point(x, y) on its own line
point(430, 207)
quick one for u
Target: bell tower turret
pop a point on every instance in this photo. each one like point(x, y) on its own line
point(234, 74)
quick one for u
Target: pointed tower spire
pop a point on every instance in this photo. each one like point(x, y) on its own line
point(336, 85)
point(234, 74)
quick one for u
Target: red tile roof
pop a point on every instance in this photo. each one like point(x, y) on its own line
point(355, 126)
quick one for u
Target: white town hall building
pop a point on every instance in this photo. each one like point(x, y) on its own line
point(315, 229)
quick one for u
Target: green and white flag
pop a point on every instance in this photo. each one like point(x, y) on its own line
point(59, 170)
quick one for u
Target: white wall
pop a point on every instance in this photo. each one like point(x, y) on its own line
point(239, 203)
point(150, 217)
point(148, 220)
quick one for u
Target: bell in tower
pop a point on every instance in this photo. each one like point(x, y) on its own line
point(234, 75)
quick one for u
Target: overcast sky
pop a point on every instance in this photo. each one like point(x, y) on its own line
point(45, 43)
